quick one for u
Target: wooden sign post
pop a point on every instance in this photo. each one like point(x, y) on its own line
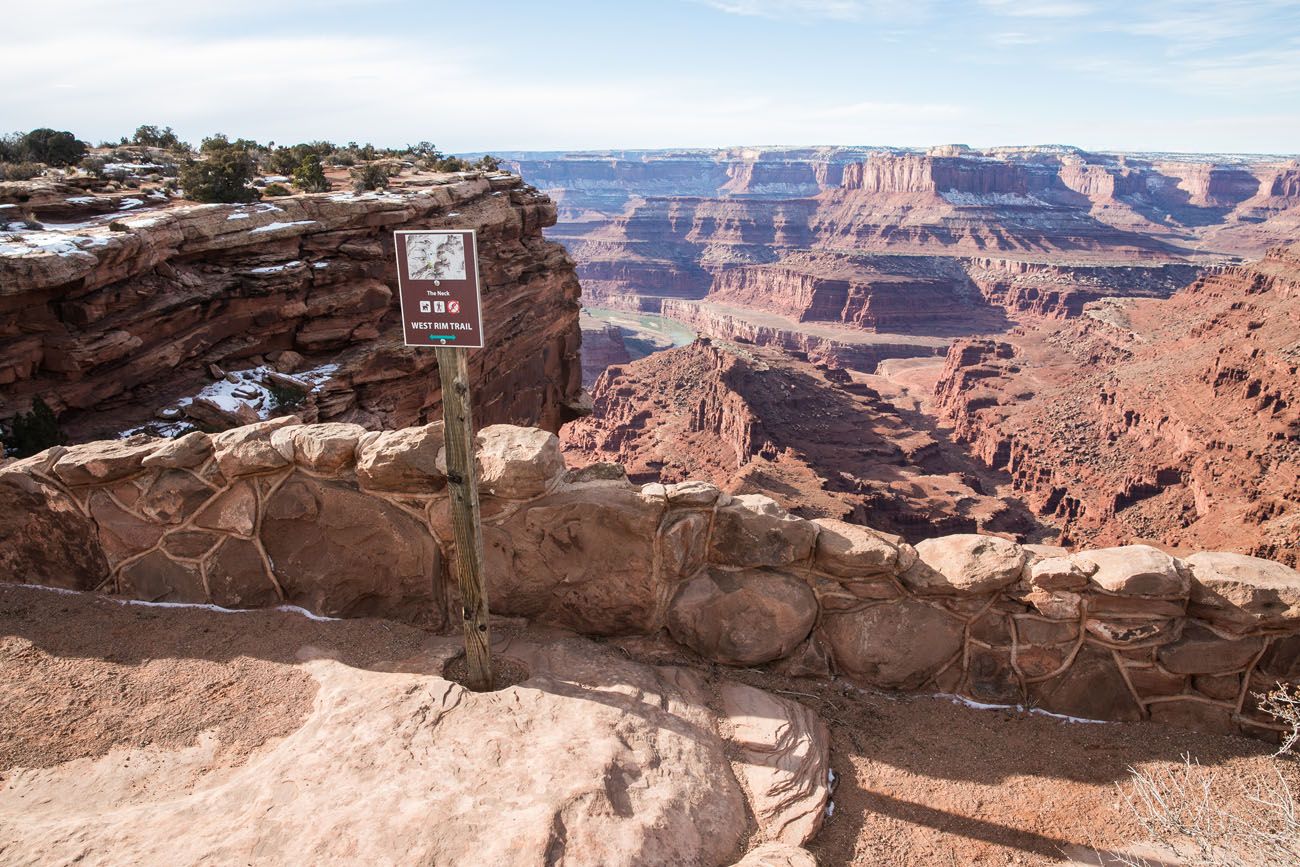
point(438, 285)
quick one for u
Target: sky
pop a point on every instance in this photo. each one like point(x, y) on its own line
point(497, 75)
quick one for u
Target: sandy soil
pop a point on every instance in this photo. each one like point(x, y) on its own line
point(921, 780)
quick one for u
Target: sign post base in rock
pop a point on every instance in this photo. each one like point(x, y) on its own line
point(437, 279)
point(462, 484)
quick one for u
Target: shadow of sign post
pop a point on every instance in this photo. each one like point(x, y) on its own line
point(438, 286)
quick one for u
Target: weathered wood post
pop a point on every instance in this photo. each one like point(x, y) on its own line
point(438, 286)
point(462, 482)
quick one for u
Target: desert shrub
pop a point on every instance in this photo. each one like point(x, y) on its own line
point(1214, 819)
point(118, 226)
point(371, 176)
point(309, 176)
point(152, 136)
point(342, 158)
point(488, 163)
point(11, 148)
point(19, 171)
point(275, 190)
point(53, 147)
point(224, 176)
point(1210, 818)
point(34, 431)
point(94, 165)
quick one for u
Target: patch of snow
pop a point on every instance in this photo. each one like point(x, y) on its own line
point(267, 208)
point(128, 204)
point(239, 215)
point(274, 179)
point(272, 227)
point(275, 269)
point(203, 606)
point(1020, 708)
point(319, 266)
point(82, 200)
point(830, 809)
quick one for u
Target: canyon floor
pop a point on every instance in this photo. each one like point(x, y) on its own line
point(157, 705)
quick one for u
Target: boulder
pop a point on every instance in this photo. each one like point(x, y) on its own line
point(784, 759)
point(752, 530)
point(184, 452)
point(897, 645)
point(517, 463)
point(326, 448)
point(692, 494)
point(1060, 573)
point(853, 551)
point(340, 552)
point(402, 460)
point(742, 618)
point(250, 450)
point(1239, 592)
point(583, 558)
point(104, 461)
point(967, 564)
point(1135, 570)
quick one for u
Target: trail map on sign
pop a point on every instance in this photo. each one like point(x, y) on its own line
point(435, 257)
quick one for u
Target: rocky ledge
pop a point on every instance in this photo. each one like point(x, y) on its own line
point(109, 321)
point(345, 522)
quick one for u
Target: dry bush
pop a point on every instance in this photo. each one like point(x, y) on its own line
point(1210, 818)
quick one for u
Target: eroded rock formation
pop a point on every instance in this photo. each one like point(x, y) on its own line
point(109, 326)
point(1123, 633)
point(1171, 420)
point(804, 432)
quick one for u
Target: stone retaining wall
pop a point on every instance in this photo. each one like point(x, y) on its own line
point(346, 522)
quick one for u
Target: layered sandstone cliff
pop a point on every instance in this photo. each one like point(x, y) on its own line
point(1172, 420)
point(279, 512)
point(110, 324)
point(898, 240)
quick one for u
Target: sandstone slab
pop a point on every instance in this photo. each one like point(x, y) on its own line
point(965, 564)
point(853, 551)
point(409, 768)
point(402, 460)
point(1240, 592)
point(104, 461)
point(742, 618)
point(250, 449)
point(784, 757)
point(517, 463)
point(1136, 570)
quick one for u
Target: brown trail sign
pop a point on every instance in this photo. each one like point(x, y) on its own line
point(438, 286)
